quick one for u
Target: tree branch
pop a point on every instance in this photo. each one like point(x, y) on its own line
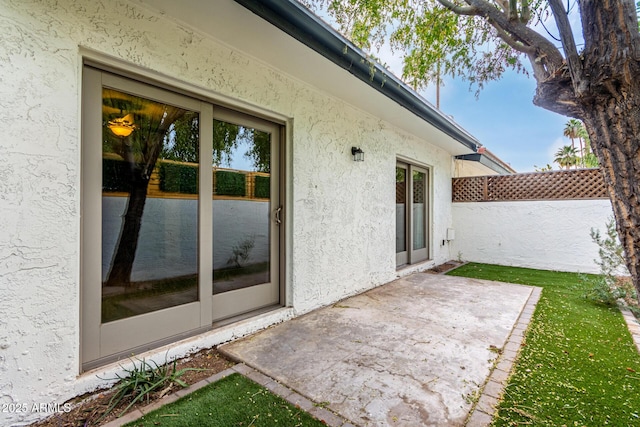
point(515, 33)
point(569, 45)
point(539, 72)
point(513, 10)
point(555, 93)
point(504, 4)
point(514, 43)
point(525, 15)
point(459, 10)
point(519, 31)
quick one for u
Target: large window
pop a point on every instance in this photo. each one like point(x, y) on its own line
point(412, 214)
point(181, 214)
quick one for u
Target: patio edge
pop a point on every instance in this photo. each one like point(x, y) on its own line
point(481, 414)
point(633, 325)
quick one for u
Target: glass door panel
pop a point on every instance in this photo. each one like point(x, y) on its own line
point(412, 214)
point(149, 205)
point(401, 215)
point(241, 206)
point(143, 276)
point(245, 208)
point(419, 214)
point(419, 210)
point(170, 246)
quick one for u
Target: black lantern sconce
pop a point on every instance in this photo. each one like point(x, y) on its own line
point(358, 154)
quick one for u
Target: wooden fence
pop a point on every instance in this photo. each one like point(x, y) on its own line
point(556, 185)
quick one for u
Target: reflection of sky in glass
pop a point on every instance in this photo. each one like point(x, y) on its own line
point(238, 159)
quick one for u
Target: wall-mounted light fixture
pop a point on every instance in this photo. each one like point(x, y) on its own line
point(122, 127)
point(358, 154)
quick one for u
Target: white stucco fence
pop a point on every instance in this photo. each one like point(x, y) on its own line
point(544, 234)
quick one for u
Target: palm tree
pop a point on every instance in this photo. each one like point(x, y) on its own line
point(572, 130)
point(566, 157)
point(589, 159)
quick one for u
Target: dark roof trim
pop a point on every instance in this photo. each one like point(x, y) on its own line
point(487, 161)
point(295, 20)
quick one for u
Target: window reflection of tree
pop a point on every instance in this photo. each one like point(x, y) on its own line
point(140, 150)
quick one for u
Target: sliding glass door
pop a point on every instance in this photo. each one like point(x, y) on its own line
point(180, 216)
point(412, 214)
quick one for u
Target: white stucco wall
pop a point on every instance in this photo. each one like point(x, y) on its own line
point(340, 216)
point(549, 235)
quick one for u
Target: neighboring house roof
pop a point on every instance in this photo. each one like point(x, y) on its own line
point(490, 160)
point(297, 21)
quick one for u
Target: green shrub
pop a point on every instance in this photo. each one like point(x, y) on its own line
point(116, 176)
point(601, 291)
point(142, 380)
point(606, 288)
point(176, 178)
point(230, 183)
point(262, 187)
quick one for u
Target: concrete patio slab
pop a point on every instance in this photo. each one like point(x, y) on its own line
point(416, 351)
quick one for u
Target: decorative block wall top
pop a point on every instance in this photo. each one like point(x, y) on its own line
point(556, 185)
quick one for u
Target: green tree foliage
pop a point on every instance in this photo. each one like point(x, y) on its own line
point(589, 159)
point(566, 157)
point(181, 142)
point(575, 129)
point(259, 151)
point(227, 138)
point(546, 168)
point(225, 141)
point(435, 41)
point(571, 130)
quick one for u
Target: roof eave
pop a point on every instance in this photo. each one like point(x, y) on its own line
point(295, 20)
point(488, 162)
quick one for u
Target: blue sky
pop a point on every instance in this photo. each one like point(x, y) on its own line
point(504, 119)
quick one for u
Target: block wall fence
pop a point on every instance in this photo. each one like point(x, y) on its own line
point(536, 220)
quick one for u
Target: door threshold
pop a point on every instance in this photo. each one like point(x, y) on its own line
point(244, 316)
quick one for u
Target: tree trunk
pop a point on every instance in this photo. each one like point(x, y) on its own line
point(122, 263)
point(614, 137)
point(610, 110)
point(602, 88)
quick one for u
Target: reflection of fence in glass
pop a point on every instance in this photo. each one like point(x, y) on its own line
point(180, 180)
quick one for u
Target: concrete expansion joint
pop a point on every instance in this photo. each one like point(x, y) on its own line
point(481, 414)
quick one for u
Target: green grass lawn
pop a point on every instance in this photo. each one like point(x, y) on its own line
point(578, 365)
point(233, 401)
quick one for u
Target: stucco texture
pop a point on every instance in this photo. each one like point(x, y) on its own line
point(341, 214)
point(549, 235)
